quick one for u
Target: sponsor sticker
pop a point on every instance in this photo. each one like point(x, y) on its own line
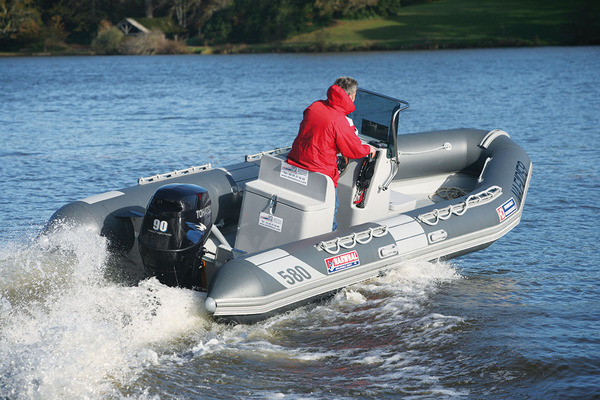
point(270, 221)
point(293, 173)
point(507, 209)
point(342, 262)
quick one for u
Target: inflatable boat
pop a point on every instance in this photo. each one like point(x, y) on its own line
point(257, 235)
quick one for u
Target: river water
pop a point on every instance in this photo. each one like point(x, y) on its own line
point(518, 320)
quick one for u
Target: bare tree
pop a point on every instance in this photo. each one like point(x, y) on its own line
point(149, 9)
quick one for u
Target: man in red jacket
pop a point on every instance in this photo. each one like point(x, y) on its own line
point(326, 131)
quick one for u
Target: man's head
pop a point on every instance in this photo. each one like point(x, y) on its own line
point(348, 84)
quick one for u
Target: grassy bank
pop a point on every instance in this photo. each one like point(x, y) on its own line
point(454, 24)
point(441, 24)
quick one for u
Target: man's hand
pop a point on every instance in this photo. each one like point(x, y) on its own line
point(373, 151)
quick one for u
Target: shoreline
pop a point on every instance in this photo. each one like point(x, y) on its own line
point(429, 25)
point(306, 48)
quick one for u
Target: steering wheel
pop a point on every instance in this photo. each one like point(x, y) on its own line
point(342, 164)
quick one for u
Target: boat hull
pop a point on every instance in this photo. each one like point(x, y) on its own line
point(256, 286)
point(275, 272)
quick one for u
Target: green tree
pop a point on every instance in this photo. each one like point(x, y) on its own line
point(80, 17)
point(20, 23)
point(55, 34)
point(252, 21)
point(109, 39)
point(189, 14)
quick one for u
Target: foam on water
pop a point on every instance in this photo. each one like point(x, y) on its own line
point(344, 340)
point(69, 331)
point(66, 331)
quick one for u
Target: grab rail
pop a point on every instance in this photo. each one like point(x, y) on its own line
point(275, 151)
point(349, 241)
point(174, 174)
point(485, 196)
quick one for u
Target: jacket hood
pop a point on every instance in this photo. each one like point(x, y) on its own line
point(339, 99)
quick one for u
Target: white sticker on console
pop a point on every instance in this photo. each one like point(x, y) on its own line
point(293, 173)
point(270, 221)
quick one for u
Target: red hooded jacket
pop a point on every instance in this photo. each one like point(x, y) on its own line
point(324, 132)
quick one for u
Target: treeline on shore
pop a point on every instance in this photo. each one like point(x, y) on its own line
point(180, 26)
point(55, 25)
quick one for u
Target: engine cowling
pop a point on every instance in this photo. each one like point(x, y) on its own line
point(174, 230)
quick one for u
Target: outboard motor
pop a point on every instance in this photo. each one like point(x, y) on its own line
point(175, 227)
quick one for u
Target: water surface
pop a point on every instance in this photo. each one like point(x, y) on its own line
point(517, 320)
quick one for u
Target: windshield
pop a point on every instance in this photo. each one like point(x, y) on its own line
point(375, 116)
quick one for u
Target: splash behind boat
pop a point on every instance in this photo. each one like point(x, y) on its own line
point(257, 234)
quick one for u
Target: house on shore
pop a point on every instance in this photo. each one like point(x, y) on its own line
point(131, 27)
point(145, 26)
